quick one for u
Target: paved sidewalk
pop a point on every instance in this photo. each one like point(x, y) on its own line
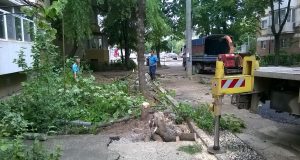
point(82, 147)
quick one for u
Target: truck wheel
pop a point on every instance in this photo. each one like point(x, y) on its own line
point(225, 71)
point(200, 69)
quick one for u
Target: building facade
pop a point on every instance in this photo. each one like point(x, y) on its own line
point(15, 35)
point(290, 37)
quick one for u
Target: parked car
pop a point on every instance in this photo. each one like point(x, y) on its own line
point(172, 55)
point(132, 56)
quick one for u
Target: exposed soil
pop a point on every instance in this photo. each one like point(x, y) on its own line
point(133, 130)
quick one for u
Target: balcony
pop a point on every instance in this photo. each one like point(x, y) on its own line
point(15, 35)
point(9, 50)
point(289, 27)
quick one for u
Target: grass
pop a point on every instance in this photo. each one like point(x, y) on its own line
point(191, 149)
point(204, 118)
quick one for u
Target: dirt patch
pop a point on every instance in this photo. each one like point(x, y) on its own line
point(133, 130)
point(108, 77)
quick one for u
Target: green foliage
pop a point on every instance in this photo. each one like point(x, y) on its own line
point(16, 150)
point(12, 124)
point(284, 60)
point(131, 65)
point(156, 25)
point(84, 100)
point(183, 112)
point(232, 123)
point(204, 118)
point(21, 60)
point(119, 22)
point(77, 15)
point(233, 17)
point(172, 92)
point(49, 96)
point(191, 149)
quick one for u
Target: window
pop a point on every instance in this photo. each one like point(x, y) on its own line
point(11, 32)
point(18, 28)
point(28, 30)
point(282, 15)
point(264, 24)
point(2, 26)
point(263, 44)
point(14, 27)
point(290, 18)
point(293, 15)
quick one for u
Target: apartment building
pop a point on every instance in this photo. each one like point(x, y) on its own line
point(290, 39)
point(14, 35)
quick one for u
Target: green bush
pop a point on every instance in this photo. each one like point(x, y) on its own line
point(131, 65)
point(16, 150)
point(232, 123)
point(47, 104)
point(284, 60)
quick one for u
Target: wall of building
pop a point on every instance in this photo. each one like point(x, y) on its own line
point(291, 46)
point(10, 83)
point(265, 42)
point(9, 50)
point(15, 35)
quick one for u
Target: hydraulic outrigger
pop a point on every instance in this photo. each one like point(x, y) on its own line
point(233, 84)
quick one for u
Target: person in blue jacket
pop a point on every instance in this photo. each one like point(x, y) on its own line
point(75, 68)
point(152, 65)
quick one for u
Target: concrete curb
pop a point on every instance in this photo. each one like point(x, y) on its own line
point(173, 101)
point(100, 124)
point(205, 139)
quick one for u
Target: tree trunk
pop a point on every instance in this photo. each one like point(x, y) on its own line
point(126, 43)
point(74, 49)
point(122, 55)
point(281, 25)
point(121, 47)
point(141, 46)
point(158, 55)
point(276, 49)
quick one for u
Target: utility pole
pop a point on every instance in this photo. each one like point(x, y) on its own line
point(188, 37)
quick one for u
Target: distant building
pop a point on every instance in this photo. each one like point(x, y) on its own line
point(290, 37)
point(14, 35)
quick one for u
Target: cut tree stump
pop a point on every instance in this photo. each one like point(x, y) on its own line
point(163, 128)
point(187, 137)
point(157, 137)
point(145, 108)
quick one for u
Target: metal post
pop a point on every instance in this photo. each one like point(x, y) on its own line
point(217, 133)
point(217, 112)
point(189, 37)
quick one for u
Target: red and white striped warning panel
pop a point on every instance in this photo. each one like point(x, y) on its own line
point(233, 83)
